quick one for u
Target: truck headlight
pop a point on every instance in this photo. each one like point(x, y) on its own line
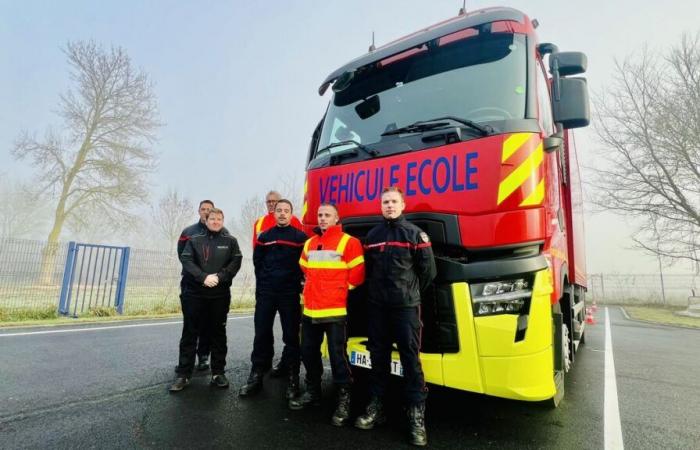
point(501, 297)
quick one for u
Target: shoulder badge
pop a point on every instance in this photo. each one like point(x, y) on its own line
point(424, 237)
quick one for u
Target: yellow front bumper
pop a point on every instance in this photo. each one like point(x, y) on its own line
point(489, 361)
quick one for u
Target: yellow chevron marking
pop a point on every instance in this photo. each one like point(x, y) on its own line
point(536, 196)
point(513, 143)
point(519, 175)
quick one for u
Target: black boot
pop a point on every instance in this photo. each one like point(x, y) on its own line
point(293, 384)
point(373, 416)
point(312, 397)
point(416, 424)
point(253, 385)
point(341, 416)
point(278, 371)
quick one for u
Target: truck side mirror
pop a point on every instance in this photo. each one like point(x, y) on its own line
point(568, 63)
point(571, 109)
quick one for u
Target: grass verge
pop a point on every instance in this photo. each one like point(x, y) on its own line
point(9, 319)
point(662, 315)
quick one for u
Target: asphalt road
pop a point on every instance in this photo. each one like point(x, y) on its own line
point(107, 388)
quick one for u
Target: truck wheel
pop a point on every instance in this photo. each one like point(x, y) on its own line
point(562, 356)
point(566, 348)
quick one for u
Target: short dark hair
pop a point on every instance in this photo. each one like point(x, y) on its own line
point(206, 201)
point(332, 205)
point(393, 189)
point(284, 200)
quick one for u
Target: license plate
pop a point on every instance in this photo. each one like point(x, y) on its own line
point(362, 359)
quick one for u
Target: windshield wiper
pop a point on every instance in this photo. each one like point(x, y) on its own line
point(439, 122)
point(370, 152)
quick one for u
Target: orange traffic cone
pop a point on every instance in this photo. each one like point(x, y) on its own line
point(590, 320)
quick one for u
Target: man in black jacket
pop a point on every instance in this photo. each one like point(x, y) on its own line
point(277, 288)
point(210, 261)
point(197, 228)
point(400, 265)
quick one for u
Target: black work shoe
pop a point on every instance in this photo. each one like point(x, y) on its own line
point(373, 416)
point(341, 416)
point(279, 370)
point(312, 397)
point(203, 363)
point(292, 385)
point(253, 385)
point(416, 424)
point(179, 384)
point(219, 381)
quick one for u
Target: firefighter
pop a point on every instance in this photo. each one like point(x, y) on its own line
point(333, 264)
point(211, 260)
point(277, 288)
point(400, 265)
point(264, 223)
point(196, 228)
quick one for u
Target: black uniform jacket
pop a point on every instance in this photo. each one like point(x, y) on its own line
point(399, 263)
point(187, 233)
point(276, 260)
point(210, 253)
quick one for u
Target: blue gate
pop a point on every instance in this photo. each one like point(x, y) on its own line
point(94, 277)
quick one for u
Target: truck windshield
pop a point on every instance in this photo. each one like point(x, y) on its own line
point(480, 78)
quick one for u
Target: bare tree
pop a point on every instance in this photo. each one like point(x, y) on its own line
point(172, 214)
point(242, 226)
point(649, 124)
point(292, 190)
point(99, 163)
point(21, 210)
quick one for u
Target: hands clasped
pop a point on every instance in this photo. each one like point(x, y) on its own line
point(211, 280)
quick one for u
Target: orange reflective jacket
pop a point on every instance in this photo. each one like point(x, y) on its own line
point(333, 263)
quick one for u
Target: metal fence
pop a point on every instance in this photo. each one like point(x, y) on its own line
point(666, 289)
point(31, 276)
point(31, 273)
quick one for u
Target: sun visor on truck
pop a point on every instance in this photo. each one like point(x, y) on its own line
point(416, 39)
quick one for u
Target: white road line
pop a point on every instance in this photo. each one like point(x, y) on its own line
point(113, 327)
point(624, 312)
point(613, 428)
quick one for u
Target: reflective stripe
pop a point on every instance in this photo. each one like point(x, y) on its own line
point(356, 262)
point(303, 262)
point(342, 244)
point(536, 196)
point(323, 255)
point(258, 225)
point(513, 143)
point(517, 177)
point(306, 245)
point(281, 242)
point(398, 244)
point(325, 265)
point(351, 287)
point(331, 312)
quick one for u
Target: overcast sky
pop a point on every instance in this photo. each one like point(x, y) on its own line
point(237, 81)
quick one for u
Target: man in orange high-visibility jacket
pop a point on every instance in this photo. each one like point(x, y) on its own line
point(268, 221)
point(333, 263)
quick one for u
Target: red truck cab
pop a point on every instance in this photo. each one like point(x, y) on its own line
point(466, 118)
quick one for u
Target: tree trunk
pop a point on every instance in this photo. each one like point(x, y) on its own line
point(50, 252)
